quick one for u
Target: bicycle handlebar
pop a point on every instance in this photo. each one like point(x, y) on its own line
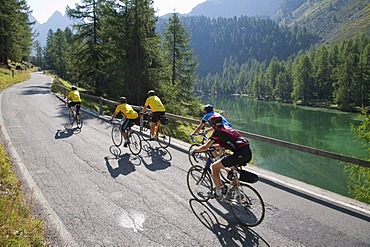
point(203, 133)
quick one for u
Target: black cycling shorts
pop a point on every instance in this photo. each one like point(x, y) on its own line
point(156, 115)
point(77, 104)
point(240, 157)
point(126, 123)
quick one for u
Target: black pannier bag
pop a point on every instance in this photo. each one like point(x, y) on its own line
point(248, 177)
point(163, 119)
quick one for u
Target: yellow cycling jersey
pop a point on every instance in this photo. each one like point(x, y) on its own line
point(127, 111)
point(74, 96)
point(155, 104)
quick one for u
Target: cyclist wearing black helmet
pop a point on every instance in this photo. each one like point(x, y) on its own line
point(129, 116)
point(209, 112)
point(158, 110)
point(74, 99)
point(227, 138)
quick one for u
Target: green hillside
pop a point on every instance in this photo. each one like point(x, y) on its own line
point(334, 20)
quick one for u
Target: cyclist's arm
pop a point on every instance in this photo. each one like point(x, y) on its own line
point(198, 128)
point(113, 116)
point(205, 146)
point(143, 111)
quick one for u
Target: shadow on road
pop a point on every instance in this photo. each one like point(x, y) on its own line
point(229, 234)
point(36, 89)
point(125, 166)
point(160, 157)
point(61, 134)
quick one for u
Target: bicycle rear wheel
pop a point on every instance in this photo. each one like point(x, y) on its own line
point(198, 158)
point(116, 135)
point(199, 183)
point(79, 121)
point(134, 143)
point(246, 205)
point(71, 118)
point(164, 136)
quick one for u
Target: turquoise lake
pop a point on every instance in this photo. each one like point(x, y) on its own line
point(314, 127)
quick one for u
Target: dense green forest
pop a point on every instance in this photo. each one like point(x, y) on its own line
point(242, 38)
point(325, 75)
point(15, 31)
point(114, 50)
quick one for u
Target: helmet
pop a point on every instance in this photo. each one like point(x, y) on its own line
point(74, 88)
point(151, 92)
point(122, 100)
point(208, 108)
point(215, 119)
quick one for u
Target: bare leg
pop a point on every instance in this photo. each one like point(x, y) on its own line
point(124, 134)
point(152, 125)
point(216, 167)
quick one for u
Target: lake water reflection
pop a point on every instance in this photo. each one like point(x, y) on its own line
point(314, 127)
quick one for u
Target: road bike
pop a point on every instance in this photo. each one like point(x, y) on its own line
point(75, 117)
point(205, 159)
point(201, 158)
point(245, 203)
point(161, 132)
point(134, 141)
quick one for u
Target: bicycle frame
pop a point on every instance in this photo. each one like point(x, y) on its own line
point(133, 139)
point(75, 117)
point(161, 133)
point(245, 203)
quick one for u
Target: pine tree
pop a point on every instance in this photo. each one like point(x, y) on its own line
point(15, 31)
point(181, 64)
point(89, 53)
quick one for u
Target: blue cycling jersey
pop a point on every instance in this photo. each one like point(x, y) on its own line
point(224, 121)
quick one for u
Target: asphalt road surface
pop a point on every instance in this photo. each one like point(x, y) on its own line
point(90, 198)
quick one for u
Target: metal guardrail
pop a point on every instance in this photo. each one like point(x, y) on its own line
point(273, 141)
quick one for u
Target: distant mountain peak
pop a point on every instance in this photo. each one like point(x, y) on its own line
point(57, 20)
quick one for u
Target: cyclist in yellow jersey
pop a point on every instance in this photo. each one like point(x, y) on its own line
point(130, 115)
point(75, 100)
point(158, 110)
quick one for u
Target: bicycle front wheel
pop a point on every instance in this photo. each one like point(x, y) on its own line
point(199, 183)
point(79, 121)
point(246, 205)
point(116, 135)
point(134, 143)
point(164, 136)
point(198, 158)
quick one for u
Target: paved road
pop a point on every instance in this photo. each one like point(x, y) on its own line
point(89, 198)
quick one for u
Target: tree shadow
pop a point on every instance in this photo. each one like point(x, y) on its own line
point(36, 89)
point(229, 234)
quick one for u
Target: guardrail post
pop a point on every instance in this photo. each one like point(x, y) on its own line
point(141, 119)
point(100, 106)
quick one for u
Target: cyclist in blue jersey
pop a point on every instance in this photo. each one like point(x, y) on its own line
point(209, 112)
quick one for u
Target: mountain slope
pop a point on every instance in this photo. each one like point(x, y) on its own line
point(57, 20)
point(332, 19)
point(231, 8)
